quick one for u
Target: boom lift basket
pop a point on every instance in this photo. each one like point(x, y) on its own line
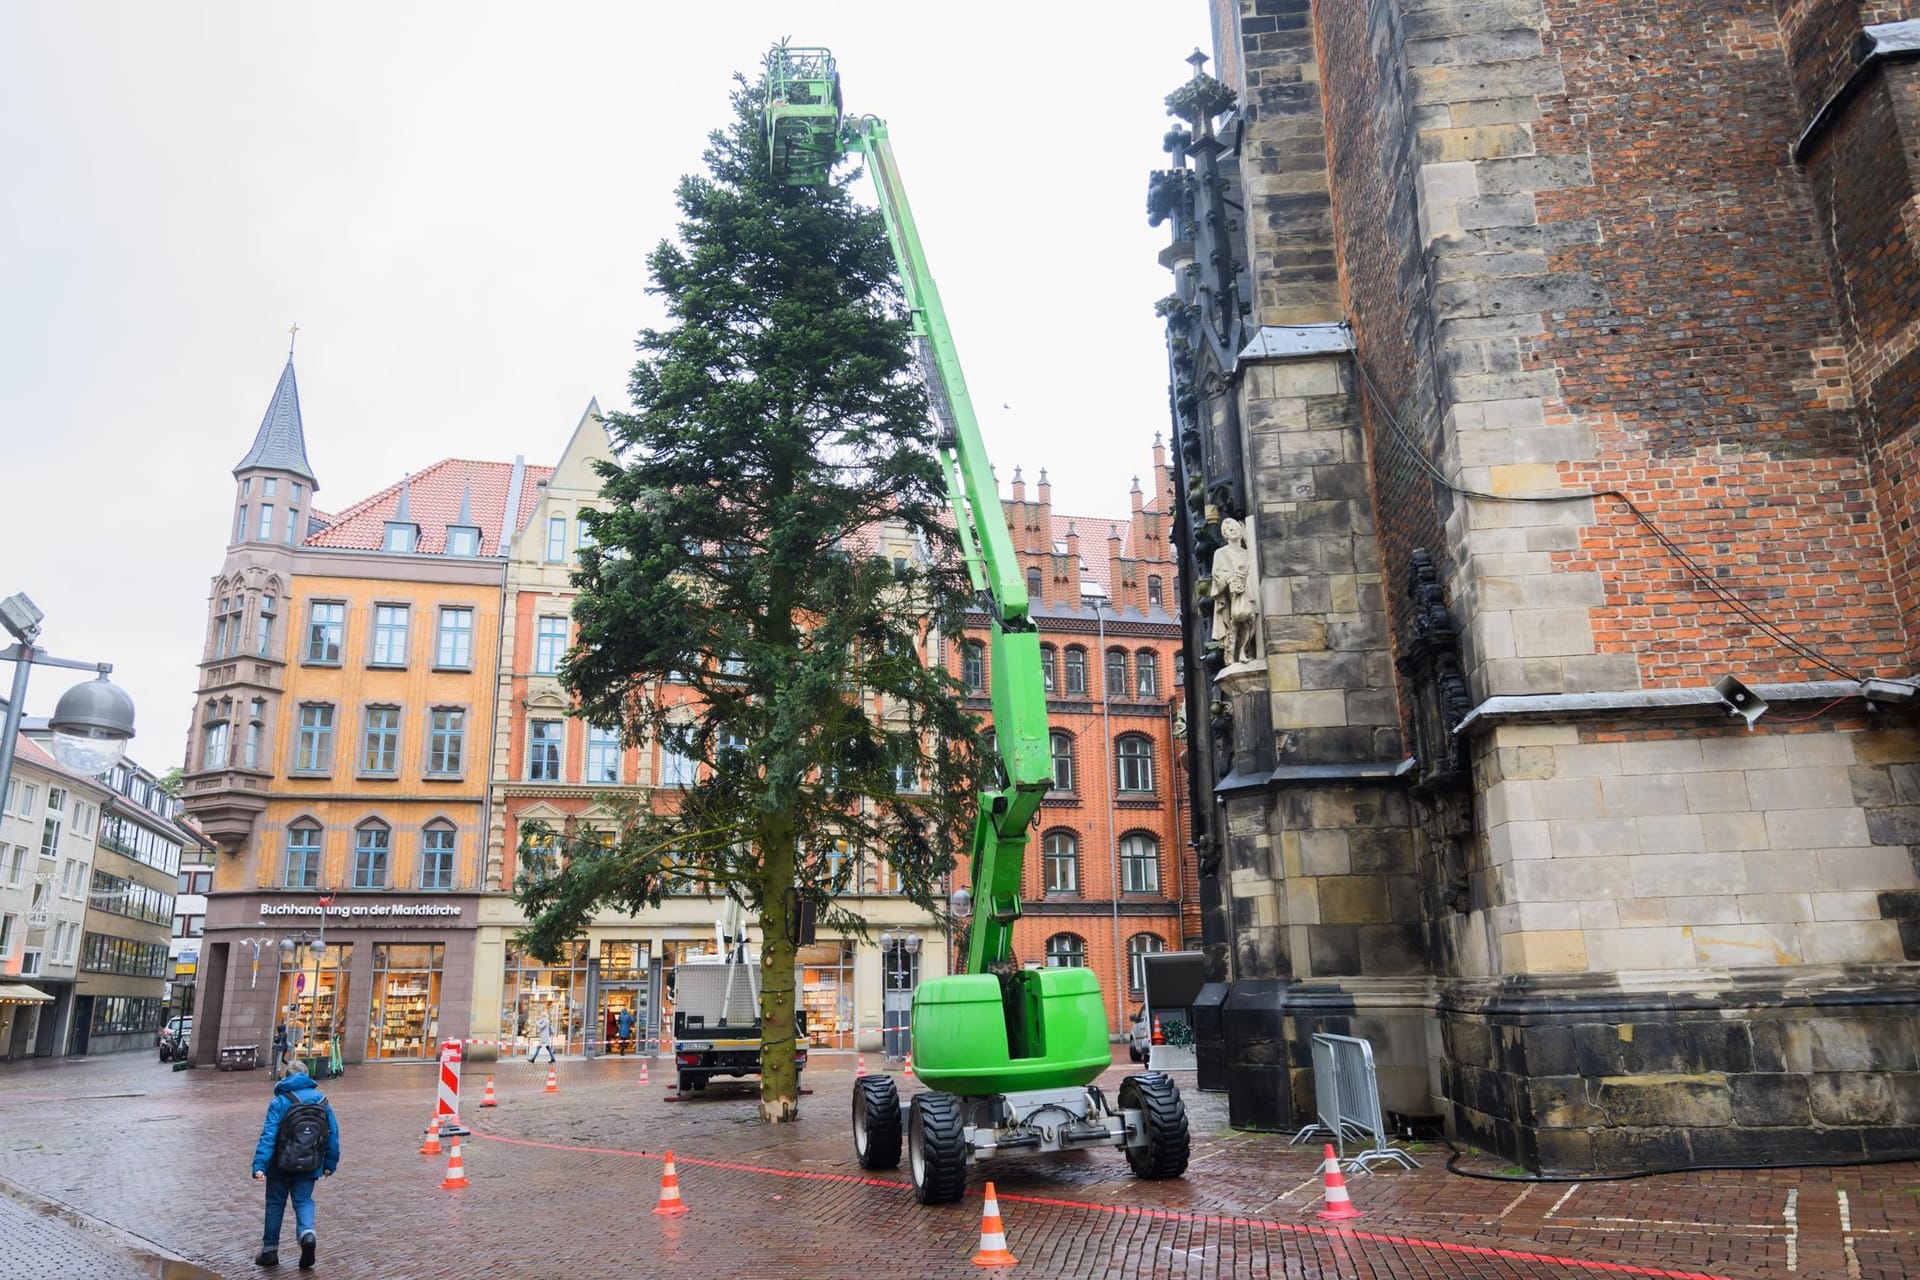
point(802, 115)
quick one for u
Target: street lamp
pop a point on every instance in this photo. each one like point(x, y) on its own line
point(897, 949)
point(290, 956)
point(1098, 601)
point(92, 721)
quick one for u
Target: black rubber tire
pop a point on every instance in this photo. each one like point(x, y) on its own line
point(876, 1122)
point(937, 1148)
point(1163, 1115)
point(1133, 1053)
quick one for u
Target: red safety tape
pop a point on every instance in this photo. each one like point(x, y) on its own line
point(1129, 1211)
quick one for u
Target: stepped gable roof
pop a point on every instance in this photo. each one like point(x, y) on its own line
point(281, 443)
point(434, 498)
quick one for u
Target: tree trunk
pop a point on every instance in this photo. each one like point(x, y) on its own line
point(779, 1074)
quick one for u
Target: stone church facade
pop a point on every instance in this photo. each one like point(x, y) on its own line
point(1539, 365)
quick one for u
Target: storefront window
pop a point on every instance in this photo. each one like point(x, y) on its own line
point(404, 1021)
point(622, 989)
point(313, 999)
point(557, 991)
point(826, 993)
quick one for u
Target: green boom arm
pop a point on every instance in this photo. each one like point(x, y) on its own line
point(805, 136)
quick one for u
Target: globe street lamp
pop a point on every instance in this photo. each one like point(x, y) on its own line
point(92, 721)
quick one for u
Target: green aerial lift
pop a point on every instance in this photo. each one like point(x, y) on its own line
point(1009, 1055)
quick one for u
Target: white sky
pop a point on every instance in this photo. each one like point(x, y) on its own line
point(455, 203)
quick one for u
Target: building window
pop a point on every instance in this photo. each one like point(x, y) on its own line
point(372, 842)
point(1136, 762)
point(266, 523)
point(313, 747)
point(462, 540)
point(1066, 951)
point(1146, 674)
point(264, 641)
point(380, 748)
point(1076, 672)
point(401, 537)
point(269, 487)
point(240, 524)
point(1048, 665)
point(676, 770)
point(1116, 674)
point(326, 628)
point(556, 539)
point(1060, 863)
point(20, 797)
point(1139, 864)
point(446, 739)
point(293, 525)
point(1033, 583)
point(973, 665)
point(1139, 947)
point(390, 635)
point(453, 647)
point(543, 751)
point(603, 754)
point(1062, 746)
point(549, 645)
point(1154, 593)
point(303, 856)
point(9, 935)
point(585, 533)
point(436, 856)
point(250, 754)
point(905, 777)
point(214, 752)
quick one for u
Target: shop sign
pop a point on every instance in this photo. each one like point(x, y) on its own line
point(362, 910)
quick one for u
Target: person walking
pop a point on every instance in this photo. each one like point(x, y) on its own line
point(299, 1144)
point(543, 1029)
point(626, 1031)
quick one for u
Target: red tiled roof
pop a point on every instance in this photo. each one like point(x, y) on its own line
point(433, 503)
point(25, 748)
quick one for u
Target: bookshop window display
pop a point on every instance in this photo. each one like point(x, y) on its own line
point(313, 996)
point(826, 993)
point(405, 1017)
point(559, 991)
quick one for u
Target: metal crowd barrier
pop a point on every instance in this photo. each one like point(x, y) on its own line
point(1346, 1096)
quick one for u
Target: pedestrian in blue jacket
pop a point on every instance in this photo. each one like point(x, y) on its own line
point(290, 1162)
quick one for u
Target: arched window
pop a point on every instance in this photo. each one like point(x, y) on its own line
point(1139, 947)
point(1049, 664)
point(1139, 863)
point(1076, 672)
point(303, 856)
point(1060, 863)
point(215, 735)
point(1033, 583)
point(1136, 762)
point(372, 847)
point(1116, 686)
point(1062, 745)
point(1066, 951)
point(973, 665)
point(437, 846)
point(1146, 674)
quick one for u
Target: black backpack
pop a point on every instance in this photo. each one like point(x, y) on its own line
point(300, 1147)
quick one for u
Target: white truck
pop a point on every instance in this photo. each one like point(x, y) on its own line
point(716, 1015)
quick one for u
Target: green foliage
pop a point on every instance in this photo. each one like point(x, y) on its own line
point(778, 424)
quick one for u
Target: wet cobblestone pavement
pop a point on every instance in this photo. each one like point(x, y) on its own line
point(562, 1185)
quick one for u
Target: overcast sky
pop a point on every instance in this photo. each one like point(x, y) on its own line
point(455, 203)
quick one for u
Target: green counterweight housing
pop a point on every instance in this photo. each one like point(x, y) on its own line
point(995, 1028)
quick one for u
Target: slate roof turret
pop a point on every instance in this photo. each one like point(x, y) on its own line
point(281, 444)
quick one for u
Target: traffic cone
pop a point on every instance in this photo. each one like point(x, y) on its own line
point(1159, 1036)
point(456, 1171)
point(487, 1099)
point(643, 1071)
point(993, 1236)
point(860, 1066)
point(671, 1205)
point(553, 1080)
point(1339, 1205)
point(431, 1147)
point(906, 1068)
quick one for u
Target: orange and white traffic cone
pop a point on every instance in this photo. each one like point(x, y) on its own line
point(643, 1071)
point(487, 1099)
point(859, 1066)
point(553, 1081)
point(671, 1205)
point(906, 1068)
point(993, 1236)
point(1159, 1036)
point(456, 1171)
point(1339, 1204)
point(431, 1147)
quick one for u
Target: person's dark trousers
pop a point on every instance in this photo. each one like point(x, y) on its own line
point(279, 1190)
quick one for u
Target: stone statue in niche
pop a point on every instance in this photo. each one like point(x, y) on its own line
point(1232, 589)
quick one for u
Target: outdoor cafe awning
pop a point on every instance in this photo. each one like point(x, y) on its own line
point(21, 993)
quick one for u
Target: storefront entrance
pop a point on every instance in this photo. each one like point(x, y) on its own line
point(620, 983)
point(313, 998)
point(404, 1021)
point(826, 993)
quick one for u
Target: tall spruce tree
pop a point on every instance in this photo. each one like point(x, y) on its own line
point(734, 606)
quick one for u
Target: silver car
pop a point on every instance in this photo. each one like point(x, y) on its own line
point(1139, 1036)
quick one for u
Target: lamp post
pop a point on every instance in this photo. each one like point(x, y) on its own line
point(1120, 974)
point(92, 721)
point(898, 947)
point(290, 949)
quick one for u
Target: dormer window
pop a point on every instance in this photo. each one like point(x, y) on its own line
point(463, 540)
point(401, 537)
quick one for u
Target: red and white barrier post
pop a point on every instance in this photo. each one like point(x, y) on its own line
point(446, 1105)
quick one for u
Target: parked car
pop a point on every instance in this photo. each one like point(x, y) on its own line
point(174, 1038)
point(1139, 1036)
